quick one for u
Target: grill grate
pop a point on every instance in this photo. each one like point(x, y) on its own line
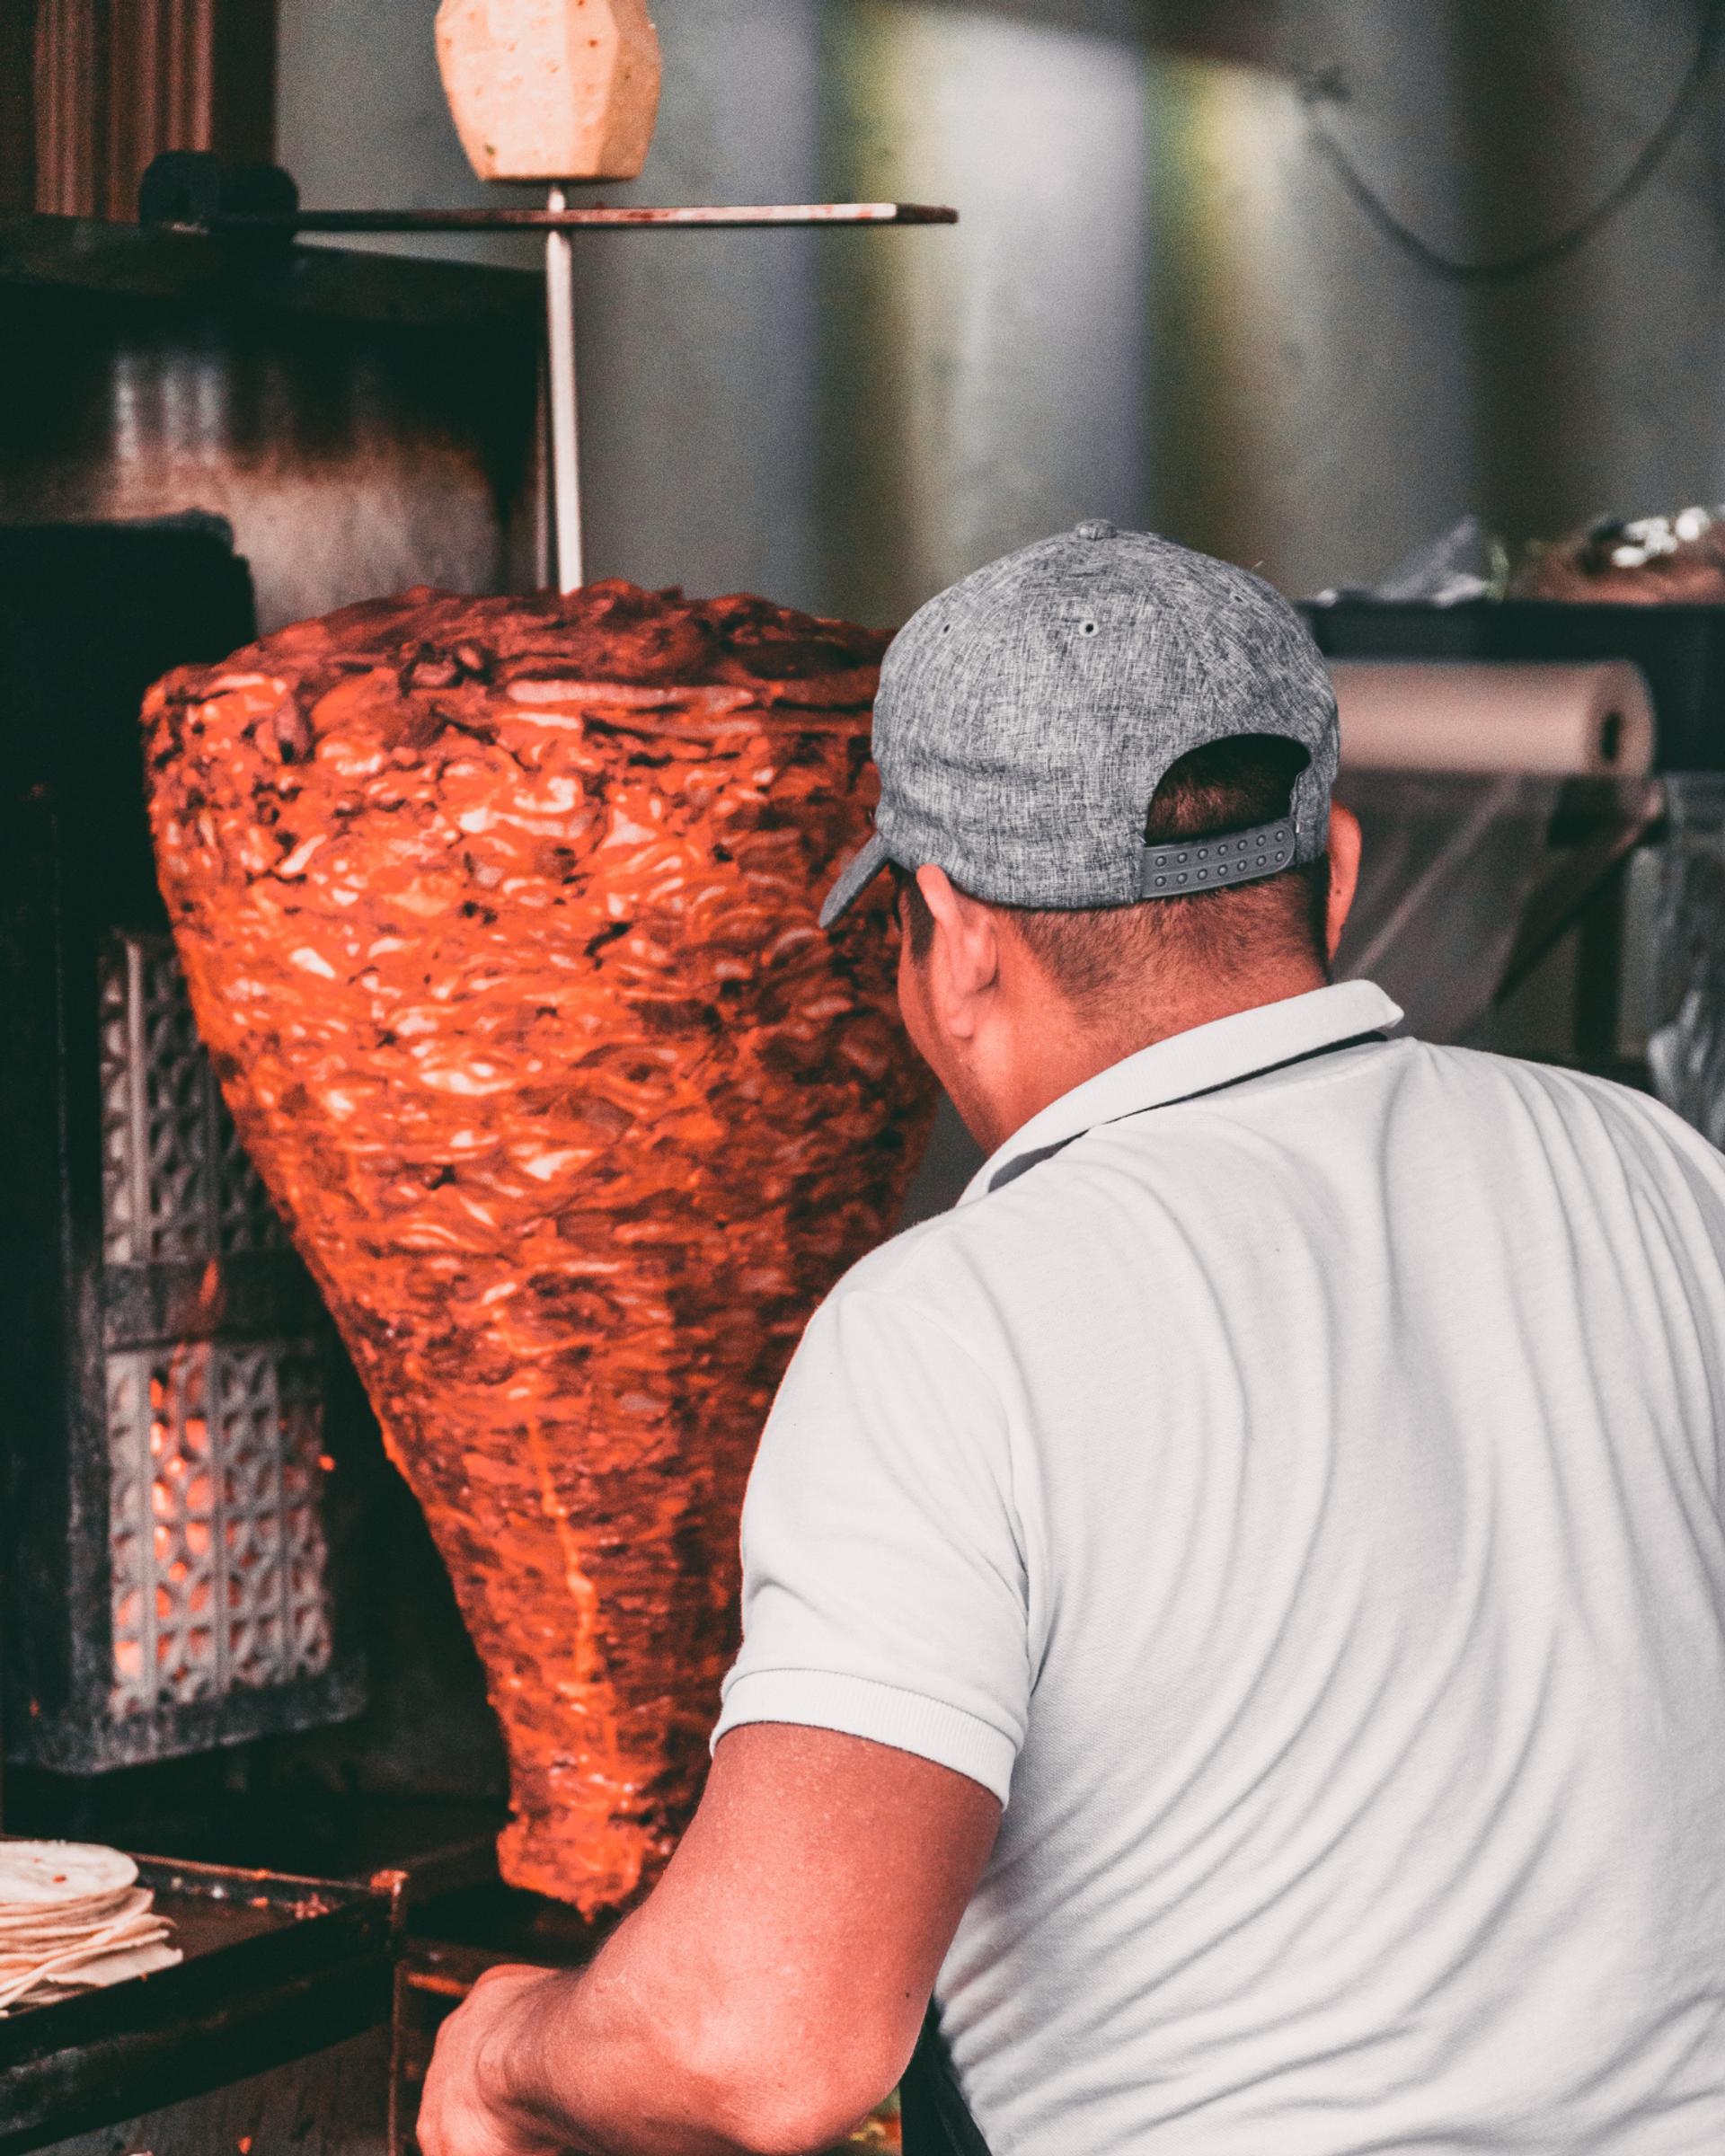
point(176, 1183)
point(176, 1568)
point(219, 1565)
point(220, 1568)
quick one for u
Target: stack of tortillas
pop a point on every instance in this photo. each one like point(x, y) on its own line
point(72, 1917)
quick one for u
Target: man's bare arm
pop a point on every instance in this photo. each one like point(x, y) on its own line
point(766, 1995)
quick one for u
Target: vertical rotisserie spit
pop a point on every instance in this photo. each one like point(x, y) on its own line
point(498, 916)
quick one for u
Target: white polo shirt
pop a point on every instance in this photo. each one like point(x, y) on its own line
point(1299, 1503)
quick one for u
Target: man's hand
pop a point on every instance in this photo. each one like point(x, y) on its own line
point(762, 1999)
point(465, 2109)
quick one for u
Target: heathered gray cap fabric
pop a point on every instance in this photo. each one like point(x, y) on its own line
point(1027, 715)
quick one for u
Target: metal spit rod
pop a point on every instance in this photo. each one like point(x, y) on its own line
point(557, 220)
point(565, 411)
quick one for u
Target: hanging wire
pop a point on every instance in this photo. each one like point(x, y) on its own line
point(1508, 269)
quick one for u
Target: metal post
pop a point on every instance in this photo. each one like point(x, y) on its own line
point(565, 439)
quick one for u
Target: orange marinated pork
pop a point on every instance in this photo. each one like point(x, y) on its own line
point(500, 921)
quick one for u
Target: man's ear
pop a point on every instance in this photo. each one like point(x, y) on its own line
point(963, 962)
point(1344, 873)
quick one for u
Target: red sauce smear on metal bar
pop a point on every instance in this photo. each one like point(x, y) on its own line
point(498, 916)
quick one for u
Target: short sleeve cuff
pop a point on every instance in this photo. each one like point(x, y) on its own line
point(819, 1699)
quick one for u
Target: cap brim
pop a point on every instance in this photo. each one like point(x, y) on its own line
point(853, 879)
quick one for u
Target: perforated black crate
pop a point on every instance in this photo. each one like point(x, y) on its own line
point(172, 1579)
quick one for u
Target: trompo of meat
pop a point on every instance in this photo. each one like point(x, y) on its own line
point(498, 916)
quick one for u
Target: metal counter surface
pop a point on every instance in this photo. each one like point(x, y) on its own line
point(276, 1967)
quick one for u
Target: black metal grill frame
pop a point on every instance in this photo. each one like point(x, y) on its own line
point(87, 618)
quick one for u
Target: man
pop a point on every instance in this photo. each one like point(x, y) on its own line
point(1238, 1605)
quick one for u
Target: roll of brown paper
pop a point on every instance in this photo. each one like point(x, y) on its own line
point(1556, 722)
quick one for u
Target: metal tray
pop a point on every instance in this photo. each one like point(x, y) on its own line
point(276, 1967)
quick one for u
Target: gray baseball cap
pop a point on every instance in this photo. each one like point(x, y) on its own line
point(1027, 715)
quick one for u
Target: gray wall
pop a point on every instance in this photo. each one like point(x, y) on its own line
point(1162, 304)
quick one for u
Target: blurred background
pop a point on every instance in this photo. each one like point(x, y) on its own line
point(1168, 302)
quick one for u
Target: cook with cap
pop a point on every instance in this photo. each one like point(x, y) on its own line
point(1234, 1610)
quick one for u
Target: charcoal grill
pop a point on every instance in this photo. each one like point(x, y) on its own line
point(172, 1581)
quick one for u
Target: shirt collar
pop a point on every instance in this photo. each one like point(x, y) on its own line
point(1220, 1052)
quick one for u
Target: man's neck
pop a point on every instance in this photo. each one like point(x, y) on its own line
point(1067, 1052)
point(1201, 1005)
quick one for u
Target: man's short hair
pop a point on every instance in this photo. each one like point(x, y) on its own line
point(1225, 786)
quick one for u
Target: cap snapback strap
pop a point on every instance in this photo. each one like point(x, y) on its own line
point(1177, 868)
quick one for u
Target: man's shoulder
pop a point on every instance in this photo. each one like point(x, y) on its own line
point(1064, 1216)
point(1491, 1096)
point(912, 1265)
point(994, 1260)
point(1577, 1092)
point(961, 1275)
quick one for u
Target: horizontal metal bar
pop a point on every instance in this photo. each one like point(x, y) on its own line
point(702, 218)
